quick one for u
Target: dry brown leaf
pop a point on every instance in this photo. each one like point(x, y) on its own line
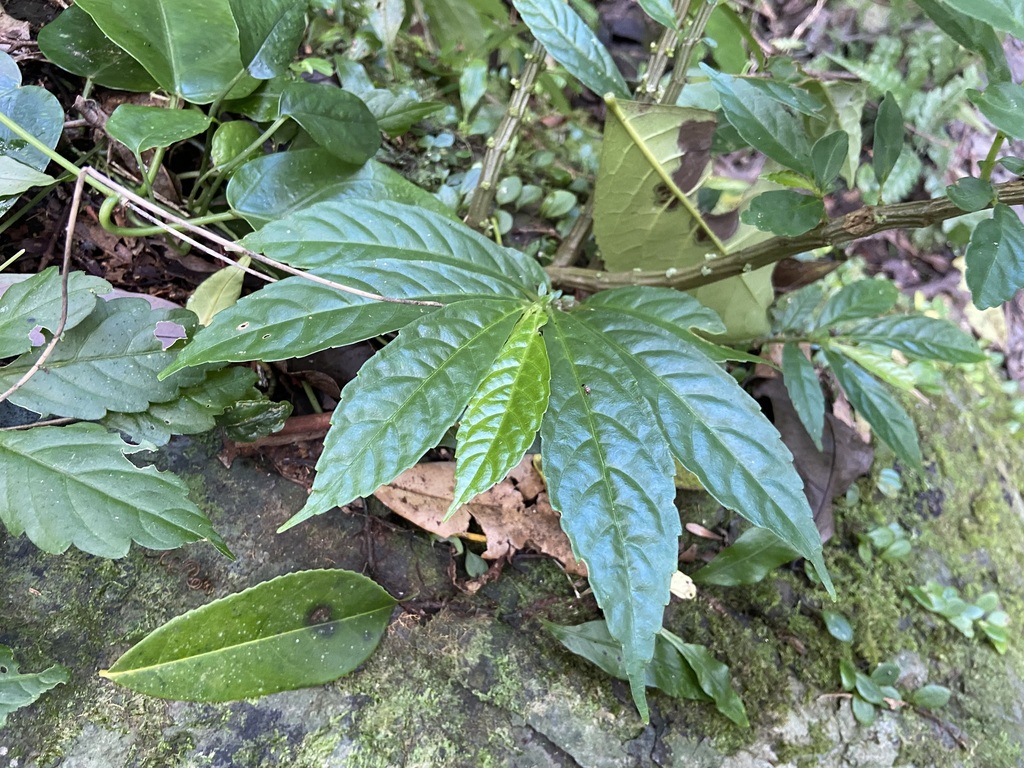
point(514, 514)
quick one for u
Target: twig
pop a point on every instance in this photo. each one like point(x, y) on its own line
point(228, 245)
point(693, 35)
point(811, 17)
point(853, 226)
point(76, 201)
point(499, 144)
point(663, 52)
point(45, 423)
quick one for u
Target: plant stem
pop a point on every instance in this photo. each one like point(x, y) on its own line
point(853, 226)
point(682, 65)
point(989, 163)
point(229, 167)
point(499, 144)
point(107, 209)
point(663, 53)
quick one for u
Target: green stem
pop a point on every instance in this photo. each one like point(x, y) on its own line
point(659, 169)
point(989, 163)
point(107, 210)
point(682, 63)
point(229, 167)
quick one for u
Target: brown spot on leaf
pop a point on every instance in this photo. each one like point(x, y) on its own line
point(694, 142)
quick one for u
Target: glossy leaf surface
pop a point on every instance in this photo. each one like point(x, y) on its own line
point(336, 120)
point(919, 336)
point(16, 177)
point(405, 398)
point(995, 258)
point(610, 474)
point(785, 212)
point(504, 414)
point(888, 141)
point(864, 298)
point(142, 128)
point(73, 42)
point(19, 689)
point(72, 485)
point(295, 631)
point(713, 677)
point(755, 554)
point(269, 33)
point(571, 43)
point(804, 390)
point(828, 155)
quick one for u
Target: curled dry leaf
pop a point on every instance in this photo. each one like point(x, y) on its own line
point(514, 514)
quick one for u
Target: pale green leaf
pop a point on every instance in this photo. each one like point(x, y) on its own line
point(18, 689)
point(405, 398)
point(971, 33)
point(919, 336)
point(295, 631)
point(16, 177)
point(190, 47)
point(73, 42)
point(1004, 15)
point(713, 677)
point(37, 111)
point(609, 473)
point(142, 128)
point(995, 258)
point(504, 414)
point(638, 220)
point(278, 185)
point(337, 120)
point(742, 302)
point(570, 42)
point(864, 298)
point(217, 292)
point(1002, 104)
point(880, 363)
point(472, 85)
point(398, 111)
point(36, 303)
point(755, 554)
point(72, 485)
point(109, 361)
point(269, 33)
point(715, 430)
point(871, 400)
point(804, 390)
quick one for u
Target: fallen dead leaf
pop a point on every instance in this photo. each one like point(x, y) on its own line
point(514, 515)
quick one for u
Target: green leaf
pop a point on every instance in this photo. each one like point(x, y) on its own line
point(249, 420)
point(16, 177)
point(142, 128)
point(1002, 104)
point(793, 311)
point(269, 33)
point(714, 678)
point(755, 554)
point(846, 101)
point(877, 362)
point(217, 292)
point(405, 398)
point(995, 258)
point(828, 155)
point(336, 120)
point(669, 672)
point(18, 690)
point(295, 631)
point(763, 122)
point(715, 430)
point(472, 85)
point(504, 414)
point(888, 141)
point(804, 390)
point(462, 27)
point(278, 185)
point(784, 212)
point(397, 112)
point(1004, 15)
point(661, 11)
point(193, 411)
point(84, 492)
point(871, 400)
point(972, 34)
point(638, 219)
point(971, 194)
point(864, 298)
point(799, 99)
point(115, 343)
point(886, 674)
point(610, 475)
point(848, 674)
point(36, 303)
point(262, 105)
point(73, 42)
point(838, 626)
point(918, 336)
point(1012, 164)
point(190, 47)
point(868, 689)
point(570, 42)
point(385, 18)
point(863, 711)
point(931, 696)
point(231, 139)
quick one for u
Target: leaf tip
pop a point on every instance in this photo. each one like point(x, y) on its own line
point(638, 687)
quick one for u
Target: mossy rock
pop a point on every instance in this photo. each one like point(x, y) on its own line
point(473, 680)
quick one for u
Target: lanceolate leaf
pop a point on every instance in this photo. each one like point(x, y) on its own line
point(269, 33)
point(295, 631)
point(610, 475)
point(35, 303)
point(713, 676)
point(1004, 15)
point(888, 141)
point(73, 42)
point(405, 398)
point(755, 554)
point(504, 414)
point(865, 298)
point(971, 33)
point(714, 429)
point(661, 11)
point(872, 401)
point(995, 258)
point(72, 485)
point(142, 128)
point(18, 690)
point(828, 155)
point(337, 234)
point(190, 47)
point(336, 120)
point(278, 185)
point(573, 45)
point(804, 390)
point(115, 343)
point(919, 336)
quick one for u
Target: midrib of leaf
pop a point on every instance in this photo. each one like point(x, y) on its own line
point(713, 437)
point(165, 30)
